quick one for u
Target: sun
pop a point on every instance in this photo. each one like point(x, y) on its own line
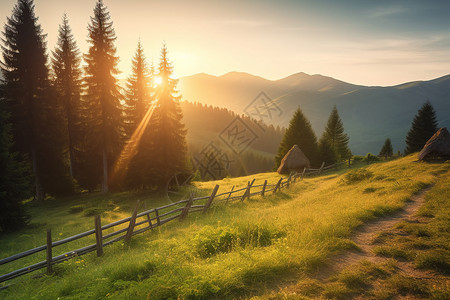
point(158, 80)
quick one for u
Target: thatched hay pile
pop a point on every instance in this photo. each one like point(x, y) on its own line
point(294, 160)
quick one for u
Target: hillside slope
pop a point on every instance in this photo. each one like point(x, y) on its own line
point(238, 250)
point(370, 114)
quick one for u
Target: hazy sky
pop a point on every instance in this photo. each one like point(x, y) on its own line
point(364, 42)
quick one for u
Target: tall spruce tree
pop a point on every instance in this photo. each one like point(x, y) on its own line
point(169, 133)
point(387, 150)
point(14, 179)
point(337, 138)
point(102, 107)
point(67, 81)
point(26, 83)
point(327, 153)
point(300, 133)
point(139, 97)
point(139, 89)
point(422, 129)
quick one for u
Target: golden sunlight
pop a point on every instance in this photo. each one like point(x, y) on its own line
point(158, 80)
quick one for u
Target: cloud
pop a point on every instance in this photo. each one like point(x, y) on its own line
point(382, 12)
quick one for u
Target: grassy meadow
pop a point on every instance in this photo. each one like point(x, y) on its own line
point(240, 250)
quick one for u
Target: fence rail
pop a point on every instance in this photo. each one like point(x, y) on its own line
point(153, 218)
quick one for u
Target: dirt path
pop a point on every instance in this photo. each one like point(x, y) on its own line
point(364, 237)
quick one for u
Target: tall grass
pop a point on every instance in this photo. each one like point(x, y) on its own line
point(236, 250)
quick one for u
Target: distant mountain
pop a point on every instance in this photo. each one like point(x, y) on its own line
point(370, 114)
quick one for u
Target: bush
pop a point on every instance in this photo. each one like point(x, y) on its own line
point(210, 241)
point(371, 158)
point(258, 236)
point(358, 158)
point(357, 176)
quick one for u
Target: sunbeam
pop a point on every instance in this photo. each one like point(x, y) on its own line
point(130, 149)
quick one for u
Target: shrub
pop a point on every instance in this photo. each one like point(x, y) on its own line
point(357, 175)
point(358, 158)
point(210, 241)
point(257, 236)
point(371, 158)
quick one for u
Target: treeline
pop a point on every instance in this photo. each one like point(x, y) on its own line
point(330, 148)
point(206, 122)
point(66, 127)
point(333, 147)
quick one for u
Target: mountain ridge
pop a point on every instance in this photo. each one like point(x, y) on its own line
point(370, 113)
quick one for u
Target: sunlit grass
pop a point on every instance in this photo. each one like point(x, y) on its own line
point(303, 225)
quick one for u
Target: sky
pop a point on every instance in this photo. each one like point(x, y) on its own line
point(376, 43)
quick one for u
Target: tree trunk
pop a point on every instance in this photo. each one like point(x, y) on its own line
point(70, 166)
point(39, 196)
point(105, 172)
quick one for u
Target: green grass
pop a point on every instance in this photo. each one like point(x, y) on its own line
point(242, 249)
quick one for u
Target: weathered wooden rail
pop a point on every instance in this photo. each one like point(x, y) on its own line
point(140, 222)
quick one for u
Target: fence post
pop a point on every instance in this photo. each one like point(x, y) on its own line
point(132, 223)
point(249, 187)
point(185, 210)
point(303, 173)
point(264, 188)
point(211, 198)
point(150, 225)
point(247, 191)
point(321, 168)
point(49, 252)
point(158, 221)
point(289, 180)
point(277, 187)
point(229, 195)
point(349, 166)
point(98, 235)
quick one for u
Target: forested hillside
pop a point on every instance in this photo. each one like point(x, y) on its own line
point(207, 128)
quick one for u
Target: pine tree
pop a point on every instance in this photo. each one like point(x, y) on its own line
point(14, 180)
point(387, 150)
point(327, 153)
point(67, 81)
point(139, 89)
point(26, 78)
point(422, 129)
point(169, 132)
point(300, 133)
point(337, 138)
point(102, 107)
point(139, 96)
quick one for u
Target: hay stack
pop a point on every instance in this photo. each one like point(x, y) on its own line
point(294, 160)
point(438, 146)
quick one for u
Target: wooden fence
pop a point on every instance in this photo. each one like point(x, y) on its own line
point(140, 222)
